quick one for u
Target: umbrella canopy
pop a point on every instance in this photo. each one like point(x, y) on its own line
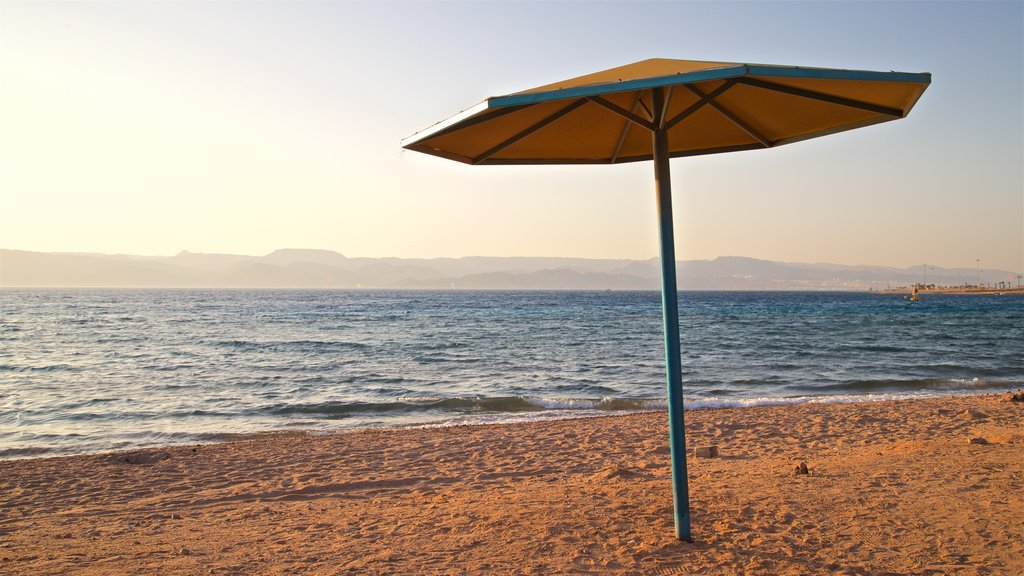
point(657, 109)
point(710, 107)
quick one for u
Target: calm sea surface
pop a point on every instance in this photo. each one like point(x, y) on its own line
point(92, 370)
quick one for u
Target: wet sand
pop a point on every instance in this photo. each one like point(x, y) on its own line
point(894, 488)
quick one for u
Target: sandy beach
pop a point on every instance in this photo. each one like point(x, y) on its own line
point(894, 487)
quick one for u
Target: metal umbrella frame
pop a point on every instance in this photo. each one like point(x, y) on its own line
point(687, 108)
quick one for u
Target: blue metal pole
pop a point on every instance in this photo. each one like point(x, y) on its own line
point(670, 309)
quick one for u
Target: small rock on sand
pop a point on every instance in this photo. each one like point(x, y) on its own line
point(801, 468)
point(1017, 396)
point(144, 457)
point(977, 440)
point(706, 452)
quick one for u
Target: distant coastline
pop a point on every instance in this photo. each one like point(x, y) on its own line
point(324, 269)
point(976, 290)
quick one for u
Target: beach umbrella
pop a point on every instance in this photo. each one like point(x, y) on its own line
point(659, 109)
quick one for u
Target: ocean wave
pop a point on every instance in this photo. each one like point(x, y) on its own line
point(432, 358)
point(920, 384)
point(46, 368)
point(829, 398)
point(24, 452)
point(292, 345)
point(454, 406)
point(467, 404)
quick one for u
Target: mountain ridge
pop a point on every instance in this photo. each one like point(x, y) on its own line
point(310, 268)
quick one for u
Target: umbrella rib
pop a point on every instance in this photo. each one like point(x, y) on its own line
point(622, 112)
point(699, 104)
point(643, 104)
point(625, 130)
point(733, 118)
point(848, 102)
point(530, 130)
point(663, 113)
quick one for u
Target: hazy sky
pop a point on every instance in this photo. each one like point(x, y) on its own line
point(242, 127)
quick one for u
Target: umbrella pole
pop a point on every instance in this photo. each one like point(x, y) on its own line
point(670, 309)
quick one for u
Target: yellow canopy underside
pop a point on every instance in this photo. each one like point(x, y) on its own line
point(744, 116)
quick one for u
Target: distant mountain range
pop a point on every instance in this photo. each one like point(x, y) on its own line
point(326, 269)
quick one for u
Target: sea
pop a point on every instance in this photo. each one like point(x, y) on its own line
point(93, 370)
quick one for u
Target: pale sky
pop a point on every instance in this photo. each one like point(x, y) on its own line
point(243, 127)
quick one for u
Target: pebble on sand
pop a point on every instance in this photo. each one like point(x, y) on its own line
point(801, 468)
point(977, 440)
point(706, 452)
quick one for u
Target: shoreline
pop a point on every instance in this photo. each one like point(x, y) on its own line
point(895, 487)
point(643, 405)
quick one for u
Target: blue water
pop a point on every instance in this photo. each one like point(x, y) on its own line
point(93, 370)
